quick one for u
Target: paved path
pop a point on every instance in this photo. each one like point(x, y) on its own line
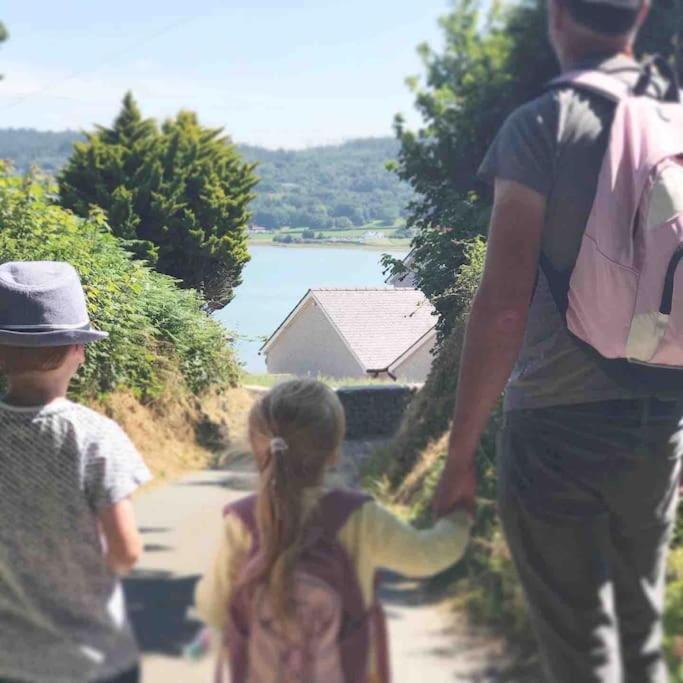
point(181, 522)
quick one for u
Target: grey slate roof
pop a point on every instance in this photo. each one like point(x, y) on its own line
point(379, 325)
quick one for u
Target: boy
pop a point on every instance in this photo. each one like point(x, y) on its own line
point(66, 476)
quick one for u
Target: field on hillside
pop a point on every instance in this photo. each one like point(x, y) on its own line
point(385, 236)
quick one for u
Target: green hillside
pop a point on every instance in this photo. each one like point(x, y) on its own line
point(323, 188)
point(26, 147)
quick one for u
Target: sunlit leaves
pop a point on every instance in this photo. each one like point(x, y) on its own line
point(178, 196)
point(157, 331)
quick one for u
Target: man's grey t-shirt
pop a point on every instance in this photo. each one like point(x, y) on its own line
point(62, 611)
point(555, 145)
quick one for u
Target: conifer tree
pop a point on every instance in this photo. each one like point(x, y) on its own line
point(178, 196)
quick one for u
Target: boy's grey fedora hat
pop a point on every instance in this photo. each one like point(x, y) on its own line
point(42, 303)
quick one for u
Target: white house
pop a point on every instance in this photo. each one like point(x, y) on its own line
point(408, 279)
point(340, 333)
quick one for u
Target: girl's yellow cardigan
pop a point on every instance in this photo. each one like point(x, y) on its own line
point(374, 539)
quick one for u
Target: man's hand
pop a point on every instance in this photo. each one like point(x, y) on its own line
point(458, 483)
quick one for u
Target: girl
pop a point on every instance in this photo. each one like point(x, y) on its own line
point(292, 589)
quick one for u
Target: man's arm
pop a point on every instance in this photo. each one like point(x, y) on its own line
point(495, 333)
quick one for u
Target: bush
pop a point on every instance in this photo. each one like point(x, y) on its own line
point(673, 617)
point(157, 331)
point(286, 239)
point(178, 197)
point(342, 223)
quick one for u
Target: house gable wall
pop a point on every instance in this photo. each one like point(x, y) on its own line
point(310, 346)
point(416, 367)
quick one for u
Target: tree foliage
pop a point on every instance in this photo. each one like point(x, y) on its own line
point(491, 63)
point(177, 195)
point(159, 334)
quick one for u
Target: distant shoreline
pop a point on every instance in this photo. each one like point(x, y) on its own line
point(330, 245)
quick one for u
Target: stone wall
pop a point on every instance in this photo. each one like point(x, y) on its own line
point(376, 410)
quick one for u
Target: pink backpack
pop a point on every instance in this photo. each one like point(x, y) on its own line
point(335, 626)
point(625, 297)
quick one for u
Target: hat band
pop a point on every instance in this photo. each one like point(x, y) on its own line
point(36, 330)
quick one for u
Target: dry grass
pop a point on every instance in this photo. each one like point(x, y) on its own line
point(166, 433)
point(417, 479)
point(231, 409)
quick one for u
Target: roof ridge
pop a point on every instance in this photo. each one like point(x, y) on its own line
point(367, 289)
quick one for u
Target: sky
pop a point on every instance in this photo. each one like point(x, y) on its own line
point(276, 73)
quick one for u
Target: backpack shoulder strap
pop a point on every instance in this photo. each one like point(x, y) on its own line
point(594, 81)
point(336, 506)
point(615, 90)
point(245, 510)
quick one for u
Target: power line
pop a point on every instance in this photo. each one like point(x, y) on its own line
point(107, 60)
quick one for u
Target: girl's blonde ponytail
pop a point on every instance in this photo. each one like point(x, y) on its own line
point(304, 423)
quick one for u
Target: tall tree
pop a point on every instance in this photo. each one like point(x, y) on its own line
point(491, 63)
point(177, 195)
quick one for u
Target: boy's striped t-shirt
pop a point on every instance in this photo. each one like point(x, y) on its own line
point(62, 610)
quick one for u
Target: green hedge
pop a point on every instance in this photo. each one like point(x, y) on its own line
point(159, 334)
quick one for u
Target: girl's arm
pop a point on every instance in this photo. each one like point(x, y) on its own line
point(124, 545)
point(214, 589)
point(401, 548)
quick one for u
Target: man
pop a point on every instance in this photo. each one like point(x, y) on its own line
point(588, 470)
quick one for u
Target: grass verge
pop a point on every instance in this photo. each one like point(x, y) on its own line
point(271, 380)
point(176, 435)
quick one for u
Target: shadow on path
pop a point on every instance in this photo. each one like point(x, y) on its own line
point(233, 483)
point(158, 604)
point(468, 652)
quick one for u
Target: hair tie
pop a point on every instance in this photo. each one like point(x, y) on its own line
point(278, 445)
point(278, 448)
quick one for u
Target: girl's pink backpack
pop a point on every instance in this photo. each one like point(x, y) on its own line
point(334, 627)
point(625, 295)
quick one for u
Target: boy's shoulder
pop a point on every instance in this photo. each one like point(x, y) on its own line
point(86, 424)
point(77, 412)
